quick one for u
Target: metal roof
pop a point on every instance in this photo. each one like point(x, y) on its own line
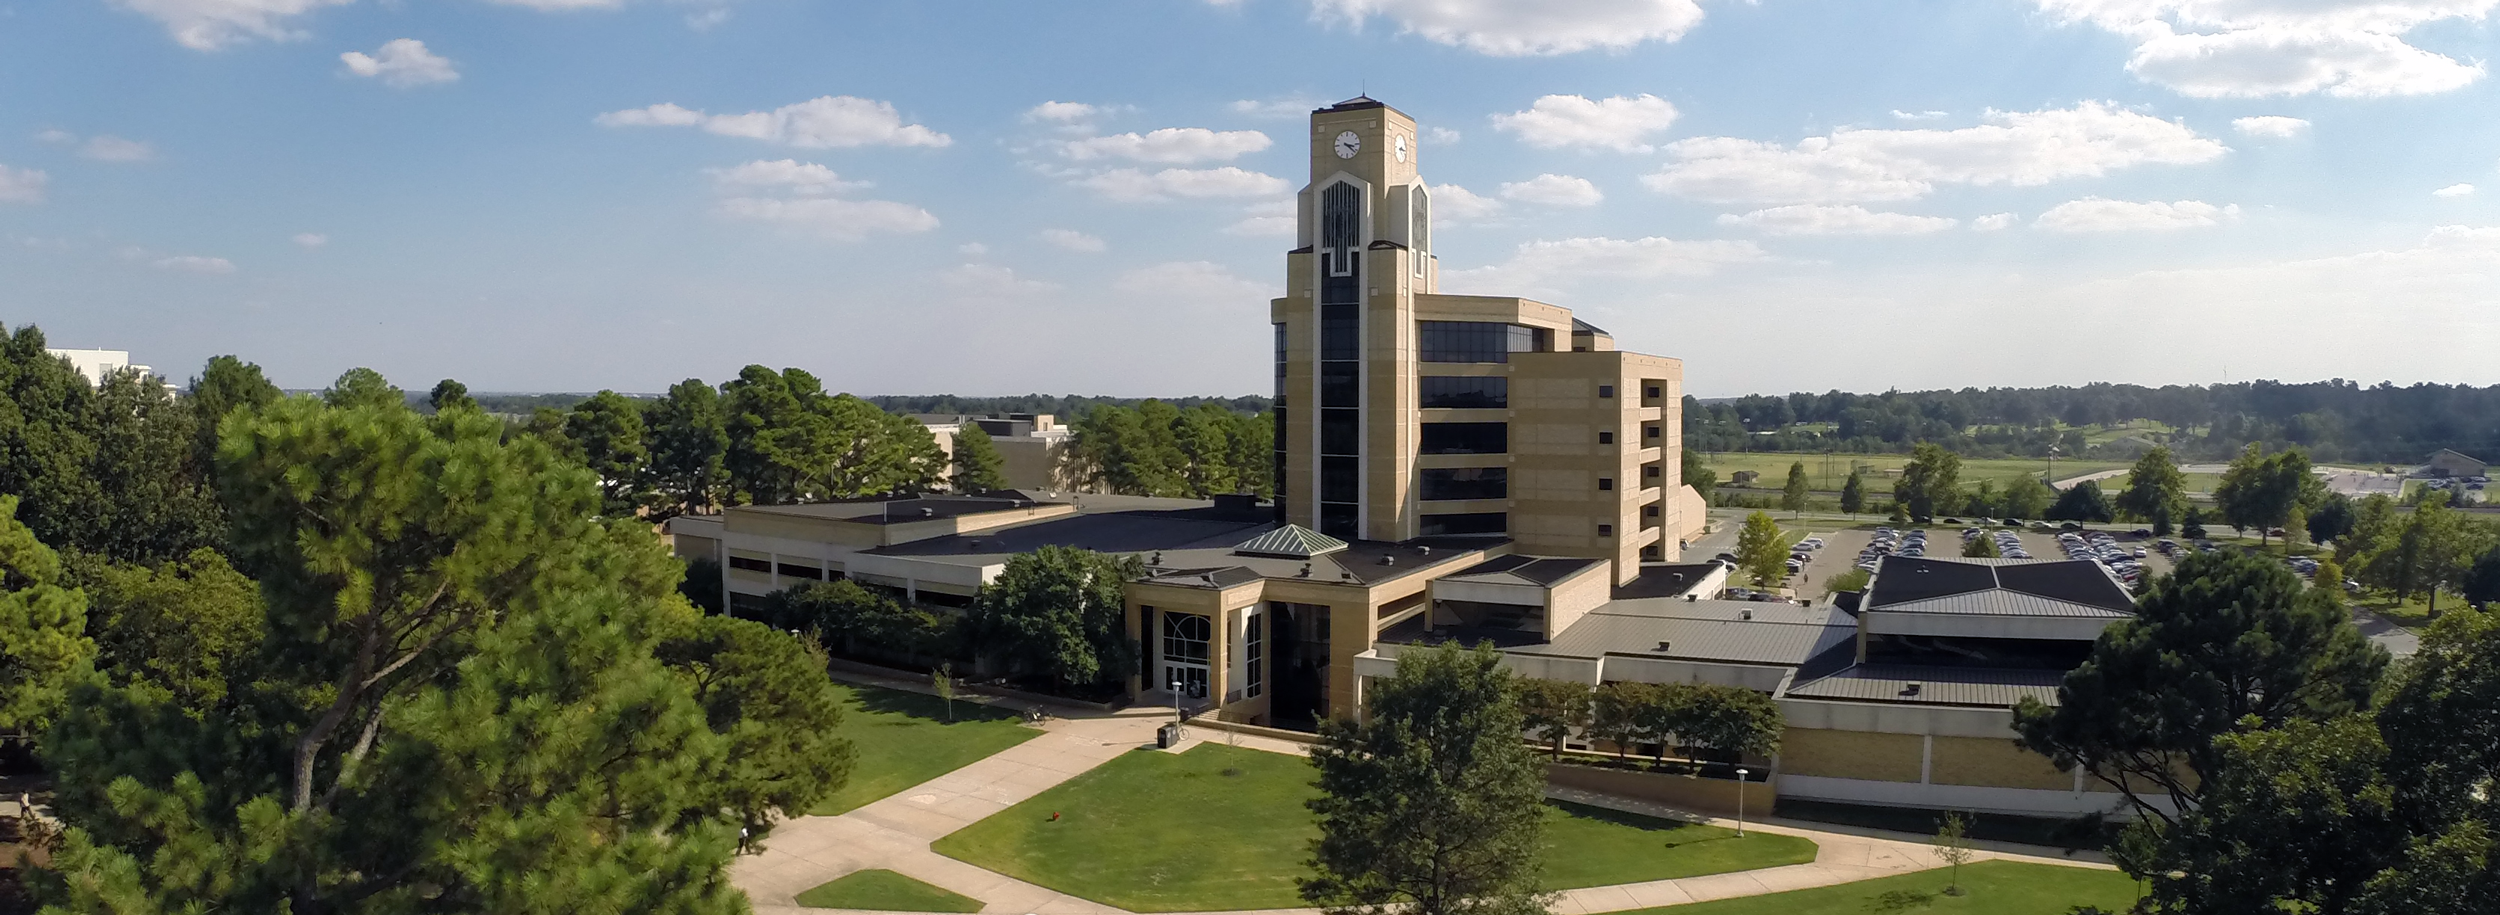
point(1518, 569)
point(1998, 587)
point(1292, 541)
point(1701, 631)
point(1973, 687)
point(2005, 603)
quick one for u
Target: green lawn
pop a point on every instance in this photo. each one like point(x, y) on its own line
point(1991, 888)
point(1773, 466)
point(1223, 828)
point(886, 891)
point(903, 739)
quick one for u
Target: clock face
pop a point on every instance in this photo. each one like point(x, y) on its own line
point(1348, 144)
point(1401, 146)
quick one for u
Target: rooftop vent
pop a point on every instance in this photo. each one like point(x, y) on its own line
point(1692, 598)
point(1745, 614)
point(1208, 580)
point(1388, 560)
point(1345, 576)
point(1306, 571)
point(1910, 690)
point(928, 513)
point(1157, 560)
point(1423, 550)
point(1663, 645)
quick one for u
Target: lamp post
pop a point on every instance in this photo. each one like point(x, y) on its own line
point(1740, 801)
point(1176, 708)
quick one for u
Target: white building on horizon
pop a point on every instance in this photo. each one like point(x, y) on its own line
point(99, 364)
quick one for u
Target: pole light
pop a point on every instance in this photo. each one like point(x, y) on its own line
point(1740, 801)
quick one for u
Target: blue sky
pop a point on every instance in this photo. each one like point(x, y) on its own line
point(1008, 197)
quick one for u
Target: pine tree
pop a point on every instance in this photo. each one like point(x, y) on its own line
point(1853, 493)
point(1793, 494)
point(977, 466)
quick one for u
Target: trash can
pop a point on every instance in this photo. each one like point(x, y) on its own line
point(1166, 736)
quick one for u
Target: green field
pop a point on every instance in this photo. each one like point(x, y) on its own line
point(902, 739)
point(1990, 888)
point(886, 891)
point(1773, 466)
point(1220, 828)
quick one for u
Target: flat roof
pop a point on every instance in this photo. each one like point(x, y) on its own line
point(1974, 687)
point(1534, 570)
point(1732, 632)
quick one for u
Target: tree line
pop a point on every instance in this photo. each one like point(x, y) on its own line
point(379, 661)
point(2335, 420)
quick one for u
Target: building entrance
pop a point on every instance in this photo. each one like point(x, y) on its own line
point(1184, 656)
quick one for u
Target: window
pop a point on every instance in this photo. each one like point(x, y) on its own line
point(1340, 384)
point(1337, 520)
point(1605, 438)
point(1453, 483)
point(1461, 524)
point(1476, 341)
point(1605, 530)
point(1459, 392)
point(1605, 391)
point(1254, 656)
point(1650, 471)
point(1605, 484)
point(1649, 431)
point(1465, 438)
point(1650, 392)
point(1340, 332)
point(1185, 637)
point(1340, 479)
point(1280, 363)
point(1649, 511)
point(789, 570)
point(1420, 235)
point(1340, 431)
point(750, 565)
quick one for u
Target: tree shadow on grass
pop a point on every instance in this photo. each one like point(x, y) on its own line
point(1673, 832)
point(882, 701)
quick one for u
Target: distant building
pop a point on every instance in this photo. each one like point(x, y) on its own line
point(97, 364)
point(1032, 446)
point(2449, 463)
point(1743, 478)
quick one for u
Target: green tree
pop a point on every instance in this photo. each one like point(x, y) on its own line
point(47, 442)
point(225, 385)
point(2332, 519)
point(977, 464)
point(857, 620)
point(766, 693)
point(1252, 444)
point(364, 387)
point(1618, 713)
point(2193, 526)
point(1900, 513)
point(606, 432)
point(184, 627)
point(1730, 721)
point(1131, 452)
point(2330, 576)
point(2264, 491)
point(1059, 612)
point(1432, 805)
point(2225, 642)
point(1953, 848)
point(687, 435)
point(1793, 493)
point(1931, 480)
point(2025, 498)
point(156, 501)
point(1853, 493)
point(1981, 500)
point(1762, 550)
point(2082, 502)
point(450, 394)
point(1553, 709)
point(1702, 479)
point(2154, 486)
point(1201, 434)
point(1980, 548)
point(2431, 549)
point(779, 443)
point(1855, 579)
point(44, 648)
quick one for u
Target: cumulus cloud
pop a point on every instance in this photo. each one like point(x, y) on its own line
point(1061, 113)
point(1517, 28)
point(2270, 126)
point(1451, 202)
point(401, 62)
point(2255, 48)
point(1547, 263)
point(310, 239)
point(990, 281)
point(2454, 190)
point(1993, 222)
point(1553, 190)
point(832, 217)
point(207, 25)
point(1073, 240)
point(1288, 107)
point(1620, 123)
point(22, 185)
point(1170, 145)
point(1274, 219)
point(1919, 115)
point(192, 263)
point(1834, 220)
point(2097, 214)
point(825, 122)
point(802, 178)
point(1138, 185)
point(110, 148)
point(1855, 165)
point(1441, 135)
point(557, 6)
point(1195, 283)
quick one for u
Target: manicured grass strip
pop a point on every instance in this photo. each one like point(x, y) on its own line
point(1991, 888)
point(1596, 846)
point(901, 739)
point(886, 891)
point(1223, 828)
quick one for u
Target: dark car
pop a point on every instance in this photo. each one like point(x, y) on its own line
point(1725, 557)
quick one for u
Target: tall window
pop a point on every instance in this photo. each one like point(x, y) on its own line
point(1254, 654)
point(1421, 233)
point(1185, 638)
point(1465, 438)
point(1440, 484)
point(1477, 341)
point(1463, 392)
point(1340, 354)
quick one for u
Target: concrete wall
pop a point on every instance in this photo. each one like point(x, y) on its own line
point(1572, 598)
point(1924, 770)
point(1718, 796)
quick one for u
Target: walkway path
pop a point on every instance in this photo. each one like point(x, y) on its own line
point(894, 833)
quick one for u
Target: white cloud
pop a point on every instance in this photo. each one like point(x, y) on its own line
point(1548, 263)
point(56, 136)
point(2255, 48)
point(110, 148)
point(803, 178)
point(1440, 135)
point(1061, 112)
point(1274, 219)
point(22, 185)
point(1515, 28)
point(1919, 115)
point(1834, 220)
point(1994, 222)
point(192, 263)
point(206, 25)
point(1622, 124)
point(401, 62)
point(2096, 214)
point(705, 20)
point(1853, 165)
point(1195, 283)
point(1136, 185)
point(1553, 190)
point(825, 122)
point(2454, 190)
point(1074, 240)
point(1171, 145)
point(557, 6)
point(833, 217)
point(1289, 107)
point(1452, 203)
point(310, 239)
point(991, 281)
point(2270, 126)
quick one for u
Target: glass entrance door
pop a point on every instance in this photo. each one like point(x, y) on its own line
point(1185, 638)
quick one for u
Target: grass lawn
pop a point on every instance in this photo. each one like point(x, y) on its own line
point(1990, 887)
point(1224, 828)
point(903, 739)
point(886, 891)
point(1773, 466)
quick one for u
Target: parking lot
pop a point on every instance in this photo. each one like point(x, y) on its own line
point(1840, 552)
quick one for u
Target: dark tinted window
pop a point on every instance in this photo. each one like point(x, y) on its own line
point(1340, 431)
point(1466, 438)
point(751, 565)
point(1444, 484)
point(1337, 521)
point(1463, 392)
point(1340, 479)
point(796, 571)
point(1340, 384)
point(1340, 332)
point(1472, 341)
point(1466, 523)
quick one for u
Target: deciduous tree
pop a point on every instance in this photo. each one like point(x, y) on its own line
point(606, 432)
point(2026, 497)
point(2154, 486)
point(688, 440)
point(1762, 550)
point(2081, 502)
point(977, 466)
point(1553, 709)
point(44, 649)
point(1932, 479)
point(1059, 612)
